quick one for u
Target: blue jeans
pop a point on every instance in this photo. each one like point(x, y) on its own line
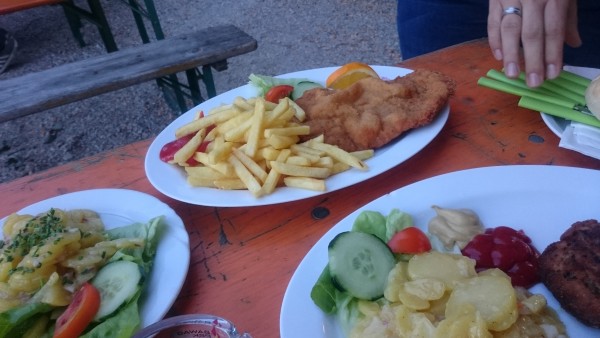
point(428, 25)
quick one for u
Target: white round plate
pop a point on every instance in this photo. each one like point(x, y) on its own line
point(556, 124)
point(171, 180)
point(121, 207)
point(542, 200)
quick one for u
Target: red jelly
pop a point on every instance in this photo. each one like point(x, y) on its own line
point(508, 250)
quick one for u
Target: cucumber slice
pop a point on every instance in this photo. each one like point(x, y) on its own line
point(359, 263)
point(303, 86)
point(117, 282)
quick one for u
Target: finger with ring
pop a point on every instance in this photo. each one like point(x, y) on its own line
point(512, 10)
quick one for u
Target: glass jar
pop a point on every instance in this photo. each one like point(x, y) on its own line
point(191, 326)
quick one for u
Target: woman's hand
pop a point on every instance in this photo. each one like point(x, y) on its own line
point(542, 27)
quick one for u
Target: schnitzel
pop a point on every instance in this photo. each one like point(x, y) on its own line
point(372, 112)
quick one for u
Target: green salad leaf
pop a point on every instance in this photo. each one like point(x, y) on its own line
point(384, 227)
point(123, 324)
point(371, 222)
point(15, 322)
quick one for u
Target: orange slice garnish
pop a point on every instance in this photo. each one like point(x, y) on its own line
point(349, 74)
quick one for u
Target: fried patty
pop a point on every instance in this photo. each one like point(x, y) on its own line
point(570, 269)
point(372, 112)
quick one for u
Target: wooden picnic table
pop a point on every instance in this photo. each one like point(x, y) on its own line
point(243, 258)
point(94, 13)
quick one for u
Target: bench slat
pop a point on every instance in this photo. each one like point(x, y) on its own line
point(75, 81)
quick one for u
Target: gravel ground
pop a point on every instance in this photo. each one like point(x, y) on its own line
point(291, 36)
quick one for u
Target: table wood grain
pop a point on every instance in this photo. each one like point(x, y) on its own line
point(243, 258)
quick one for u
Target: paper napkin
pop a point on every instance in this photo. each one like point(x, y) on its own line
point(581, 138)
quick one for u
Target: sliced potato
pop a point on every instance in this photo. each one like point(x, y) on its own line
point(466, 321)
point(426, 288)
point(445, 267)
point(492, 296)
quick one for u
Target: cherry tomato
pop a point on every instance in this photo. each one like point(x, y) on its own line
point(409, 241)
point(277, 93)
point(79, 313)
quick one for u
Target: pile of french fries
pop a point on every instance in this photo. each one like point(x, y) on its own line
point(254, 145)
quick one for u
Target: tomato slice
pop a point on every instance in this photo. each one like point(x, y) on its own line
point(79, 313)
point(277, 93)
point(410, 240)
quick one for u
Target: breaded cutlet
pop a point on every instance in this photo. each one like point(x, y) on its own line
point(372, 112)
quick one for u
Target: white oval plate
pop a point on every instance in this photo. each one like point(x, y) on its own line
point(121, 207)
point(542, 200)
point(171, 180)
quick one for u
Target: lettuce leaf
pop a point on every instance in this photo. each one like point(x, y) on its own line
point(335, 302)
point(15, 322)
point(121, 325)
point(324, 292)
point(384, 227)
point(396, 221)
point(371, 222)
point(151, 232)
point(347, 311)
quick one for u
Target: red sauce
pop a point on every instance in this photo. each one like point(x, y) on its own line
point(167, 152)
point(508, 250)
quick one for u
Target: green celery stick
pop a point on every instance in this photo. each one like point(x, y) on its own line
point(552, 109)
point(524, 91)
point(566, 93)
point(557, 90)
point(573, 87)
point(518, 82)
point(583, 81)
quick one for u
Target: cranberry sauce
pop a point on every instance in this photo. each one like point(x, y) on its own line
point(508, 250)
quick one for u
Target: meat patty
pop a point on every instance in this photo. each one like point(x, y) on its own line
point(570, 269)
point(372, 112)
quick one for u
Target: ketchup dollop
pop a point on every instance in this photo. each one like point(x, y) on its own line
point(507, 249)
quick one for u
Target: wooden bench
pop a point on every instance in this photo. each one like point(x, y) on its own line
point(210, 47)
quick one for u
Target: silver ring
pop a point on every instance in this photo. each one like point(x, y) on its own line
point(512, 10)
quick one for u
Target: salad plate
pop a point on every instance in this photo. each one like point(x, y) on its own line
point(541, 200)
point(171, 180)
point(121, 207)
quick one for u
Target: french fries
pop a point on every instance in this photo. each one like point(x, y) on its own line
point(254, 145)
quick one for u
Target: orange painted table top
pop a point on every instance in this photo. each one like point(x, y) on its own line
point(243, 258)
point(10, 6)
